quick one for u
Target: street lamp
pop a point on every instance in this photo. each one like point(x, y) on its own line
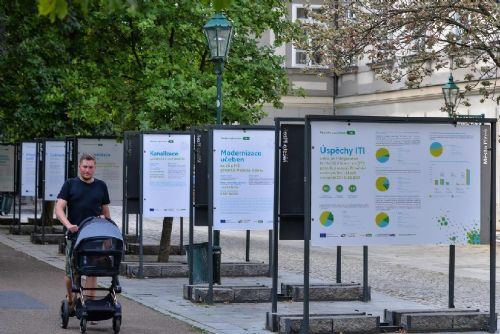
point(450, 93)
point(218, 32)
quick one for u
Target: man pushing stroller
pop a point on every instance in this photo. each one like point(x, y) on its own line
point(84, 196)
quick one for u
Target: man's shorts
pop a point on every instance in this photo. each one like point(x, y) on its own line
point(69, 244)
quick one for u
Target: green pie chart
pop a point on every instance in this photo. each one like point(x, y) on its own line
point(382, 155)
point(382, 183)
point(382, 219)
point(326, 218)
point(436, 149)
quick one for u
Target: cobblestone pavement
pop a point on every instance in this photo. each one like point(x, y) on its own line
point(413, 273)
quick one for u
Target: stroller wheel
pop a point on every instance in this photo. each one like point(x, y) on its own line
point(83, 325)
point(117, 322)
point(64, 313)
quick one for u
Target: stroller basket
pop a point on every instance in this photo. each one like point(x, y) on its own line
point(98, 249)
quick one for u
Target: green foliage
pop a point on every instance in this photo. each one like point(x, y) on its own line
point(115, 69)
point(33, 56)
point(218, 4)
point(59, 8)
point(53, 9)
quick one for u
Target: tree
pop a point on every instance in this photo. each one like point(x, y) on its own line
point(402, 38)
point(34, 58)
point(103, 72)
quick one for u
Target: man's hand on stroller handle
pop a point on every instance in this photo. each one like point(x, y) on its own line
point(72, 228)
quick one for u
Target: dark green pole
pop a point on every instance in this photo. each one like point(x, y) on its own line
point(492, 321)
point(219, 68)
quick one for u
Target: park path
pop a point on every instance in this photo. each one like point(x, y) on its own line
point(30, 296)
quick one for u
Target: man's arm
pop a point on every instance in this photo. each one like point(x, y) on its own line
point(105, 211)
point(61, 215)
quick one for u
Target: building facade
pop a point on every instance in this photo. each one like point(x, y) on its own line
point(359, 92)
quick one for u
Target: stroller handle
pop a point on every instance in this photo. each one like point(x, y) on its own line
point(90, 219)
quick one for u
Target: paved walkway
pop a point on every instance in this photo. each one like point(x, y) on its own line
point(401, 278)
point(165, 296)
point(30, 296)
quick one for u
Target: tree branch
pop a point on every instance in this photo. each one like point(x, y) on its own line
point(133, 45)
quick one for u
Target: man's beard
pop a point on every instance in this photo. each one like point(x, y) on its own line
point(86, 178)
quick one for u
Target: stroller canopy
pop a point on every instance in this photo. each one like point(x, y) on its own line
point(97, 227)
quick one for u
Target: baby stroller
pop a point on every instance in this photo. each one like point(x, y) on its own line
point(97, 251)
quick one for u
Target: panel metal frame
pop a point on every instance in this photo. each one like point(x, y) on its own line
point(479, 120)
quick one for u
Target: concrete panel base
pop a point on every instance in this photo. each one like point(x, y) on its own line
point(32, 221)
point(393, 317)
point(155, 270)
point(244, 269)
point(23, 229)
point(273, 319)
point(325, 292)
point(173, 269)
point(133, 248)
point(442, 320)
point(346, 324)
point(27, 229)
point(49, 238)
point(131, 239)
point(8, 221)
point(228, 294)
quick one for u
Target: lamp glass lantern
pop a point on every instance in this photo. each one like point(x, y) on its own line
point(218, 31)
point(450, 93)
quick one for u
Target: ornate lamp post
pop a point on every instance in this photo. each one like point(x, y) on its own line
point(450, 93)
point(219, 32)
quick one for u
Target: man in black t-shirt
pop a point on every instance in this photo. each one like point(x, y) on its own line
point(84, 196)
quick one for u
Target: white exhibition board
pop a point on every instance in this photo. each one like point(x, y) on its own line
point(380, 183)
point(7, 166)
point(165, 175)
point(54, 168)
point(243, 179)
point(28, 169)
point(109, 163)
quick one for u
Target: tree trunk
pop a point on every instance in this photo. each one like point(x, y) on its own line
point(166, 236)
point(48, 213)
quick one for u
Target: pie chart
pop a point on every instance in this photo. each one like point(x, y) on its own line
point(382, 219)
point(436, 149)
point(382, 183)
point(326, 218)
point(382, 155)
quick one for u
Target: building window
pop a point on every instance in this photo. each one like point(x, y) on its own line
point(300, 57)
